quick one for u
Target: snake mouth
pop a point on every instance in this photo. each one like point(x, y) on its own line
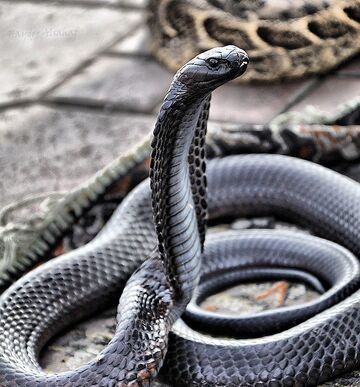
point(242, 66)
point(238, 68)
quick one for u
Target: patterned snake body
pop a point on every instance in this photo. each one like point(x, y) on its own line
point(285, 39)
point(76, 285)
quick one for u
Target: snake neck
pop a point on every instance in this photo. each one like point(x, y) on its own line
point(174, 173)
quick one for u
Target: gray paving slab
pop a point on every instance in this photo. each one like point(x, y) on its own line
point(137, 85)
point(101, 3)
point(254, 103)
point(351, 68)
point(133, 3)
point(332, 92)
point(136, 43)
point(44, 149)
point(41, 43)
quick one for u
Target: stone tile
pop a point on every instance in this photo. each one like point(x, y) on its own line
point(137, 43)
point(133, 3)
point(41, 43)
point(44, 149)
point(85, 341)
point(331, 93)
point(136, 84)
point(253, 103)
point(353, 67)
point(101, 3)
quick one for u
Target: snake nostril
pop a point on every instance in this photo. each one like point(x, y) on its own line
point(245, 61)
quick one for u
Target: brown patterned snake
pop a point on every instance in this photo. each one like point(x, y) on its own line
point(285, 39)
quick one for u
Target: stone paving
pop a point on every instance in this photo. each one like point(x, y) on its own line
point(78, 86)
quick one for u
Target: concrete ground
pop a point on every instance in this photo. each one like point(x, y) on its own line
point(78, 87)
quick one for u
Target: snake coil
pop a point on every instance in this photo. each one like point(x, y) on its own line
point(152, 250)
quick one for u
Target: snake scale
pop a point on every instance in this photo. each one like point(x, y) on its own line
point(159, 282)
point(285, 39)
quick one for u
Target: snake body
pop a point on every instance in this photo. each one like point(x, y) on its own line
point(285, 39)
point(160, 282)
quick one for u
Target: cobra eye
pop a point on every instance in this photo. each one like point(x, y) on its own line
point(213, 62)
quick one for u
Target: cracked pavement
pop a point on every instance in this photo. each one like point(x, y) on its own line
point(78, 87)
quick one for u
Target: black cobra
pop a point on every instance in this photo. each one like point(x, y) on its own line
point(76, 285)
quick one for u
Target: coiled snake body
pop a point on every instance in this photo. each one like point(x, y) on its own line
point(163, 280)
point(284, 38)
